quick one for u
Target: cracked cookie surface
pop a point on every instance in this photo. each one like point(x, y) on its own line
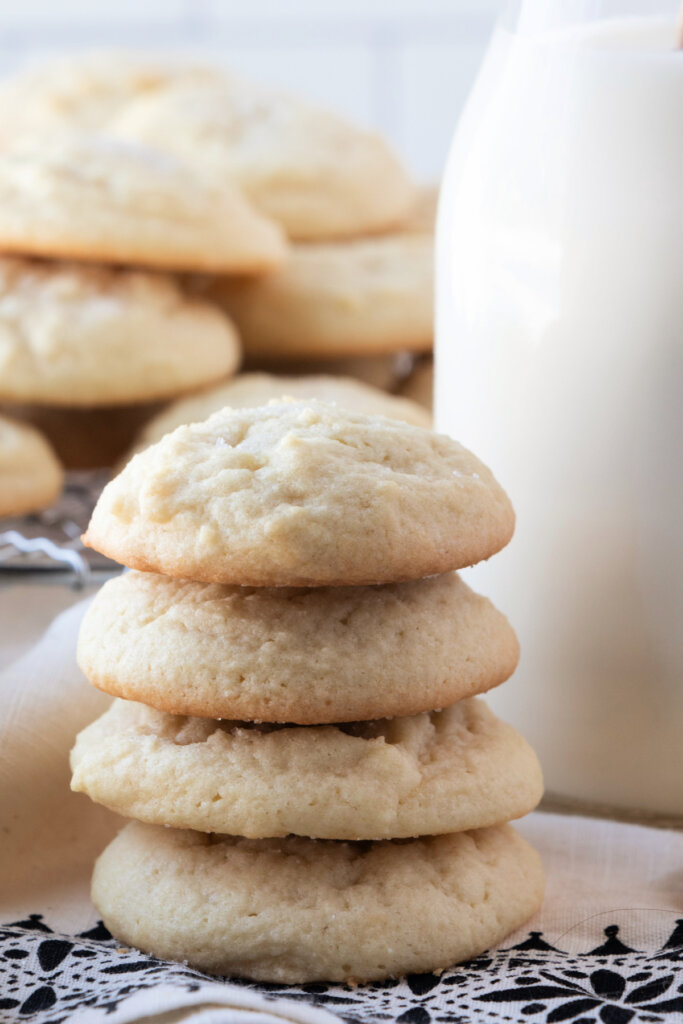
point(98, 200)
point(79, 335)
point(301, 494)
point(438, 772)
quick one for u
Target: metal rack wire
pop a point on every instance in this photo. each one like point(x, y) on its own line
point(50, 540)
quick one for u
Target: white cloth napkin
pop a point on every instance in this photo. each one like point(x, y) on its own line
point(607, 945)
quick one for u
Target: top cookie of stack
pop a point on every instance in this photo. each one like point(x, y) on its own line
point(301, 494)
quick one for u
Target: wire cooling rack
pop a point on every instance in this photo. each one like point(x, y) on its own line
point(50, 541)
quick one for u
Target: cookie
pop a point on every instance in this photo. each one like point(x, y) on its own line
point(95, 199)
point(306, 168)
point(444, 771)
point(31, 478)
point(300, 910)
point(422, 215)
point(301, 494)
point(294, 655)
point(382, 372)
point(79, 335)
point(366, 296)
point(419, 385)
point(92, 438)
point(81, 92)
point(250, 389)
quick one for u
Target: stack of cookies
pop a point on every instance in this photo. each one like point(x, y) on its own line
point(291, 622)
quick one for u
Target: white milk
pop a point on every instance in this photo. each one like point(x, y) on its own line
point(559, 358)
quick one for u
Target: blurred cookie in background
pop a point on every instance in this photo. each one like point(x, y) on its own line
point(80, 92)
point(79, 335)
point(365, 296)
point(252, 389)
point(383, 372)
point(422, 215)
point(87, 438)
point(307, 168)
point(418, 386)
point(113, 161)
point(310, 170)
point(31, 477)
point(99, 200)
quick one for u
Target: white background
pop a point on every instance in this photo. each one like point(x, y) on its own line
point(403, 66)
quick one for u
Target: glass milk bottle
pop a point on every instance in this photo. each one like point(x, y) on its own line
point(559, 358)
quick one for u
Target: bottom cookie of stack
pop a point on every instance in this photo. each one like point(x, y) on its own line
point(295, 910)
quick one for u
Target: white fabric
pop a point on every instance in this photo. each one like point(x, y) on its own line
point(600, 874)
point(28, 606)
point(216, 1003)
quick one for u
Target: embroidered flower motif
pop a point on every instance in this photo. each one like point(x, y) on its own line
point(45, 977)
point(613, 997)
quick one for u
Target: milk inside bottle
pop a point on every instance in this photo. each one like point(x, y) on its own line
point(559, 361)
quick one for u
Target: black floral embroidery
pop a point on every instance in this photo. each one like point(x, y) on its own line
point(45, 977)
point(603, 990)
